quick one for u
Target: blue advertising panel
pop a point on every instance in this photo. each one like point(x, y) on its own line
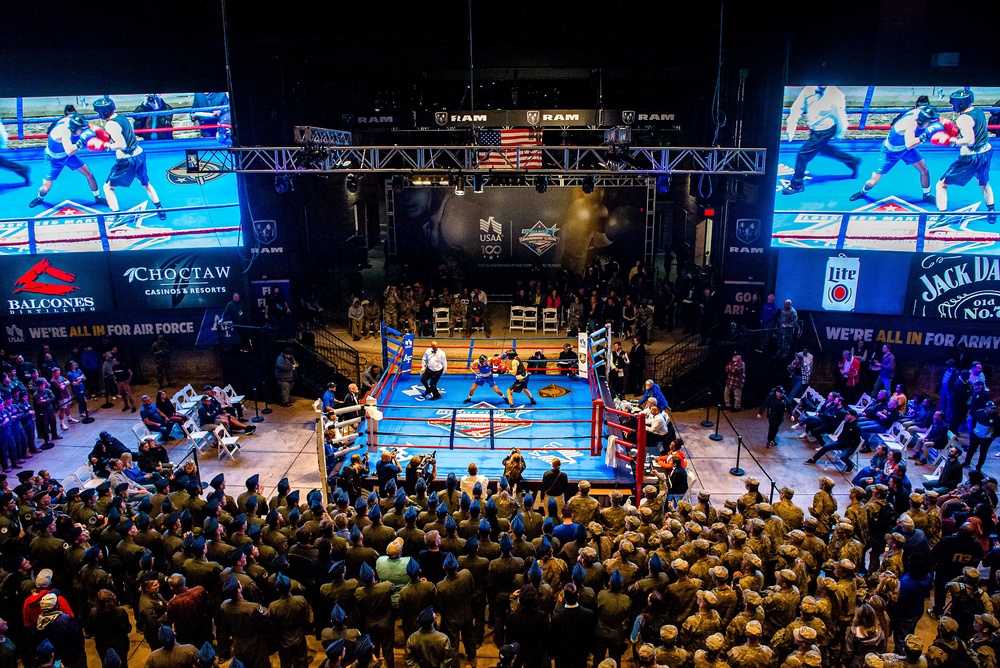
point(836, 281)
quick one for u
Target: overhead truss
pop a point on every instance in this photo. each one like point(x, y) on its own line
point(558, 160)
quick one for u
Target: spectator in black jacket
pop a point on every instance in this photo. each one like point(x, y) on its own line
point(572, 630)
point(984, 429)
point(554, 482)
point(951, 474)
point(847, 442)
point(950, 556)
point(63, 631)
point(775, 406)
point(153, 102)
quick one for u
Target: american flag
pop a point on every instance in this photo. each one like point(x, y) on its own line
point(507, 158)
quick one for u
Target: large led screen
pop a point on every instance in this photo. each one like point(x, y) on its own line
point(889, 168)
point(57, 154)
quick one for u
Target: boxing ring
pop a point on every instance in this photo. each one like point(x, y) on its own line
point(569, 421)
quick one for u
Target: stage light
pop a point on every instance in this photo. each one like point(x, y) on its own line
point(282, 184)
point(477, 183)
point(460, 186)
point(588, 184)
point(542, 184)
point(352, 183)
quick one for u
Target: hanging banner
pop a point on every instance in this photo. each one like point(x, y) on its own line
point(190, 327)
point(175, 279)
point(55, 284)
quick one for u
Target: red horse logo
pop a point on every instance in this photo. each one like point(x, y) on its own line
point(29, 281)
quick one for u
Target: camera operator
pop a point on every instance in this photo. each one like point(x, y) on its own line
point(387, 469)
point(424, 466)
point(513, 467)
point(353, 475)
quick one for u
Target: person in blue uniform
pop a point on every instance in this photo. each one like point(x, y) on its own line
point(907, 132)
point(484, 376)
point(520, 371)
point(652, 390)
point(974, 155)
point(130, 163)
point(330, 399)
point(60, 152)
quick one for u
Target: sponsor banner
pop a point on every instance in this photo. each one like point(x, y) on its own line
point(951, 287)
point(370, 118)
point(838, 331)
point(652, 117)
point(582, 345)
point(260, 291)
point(513, 118)
point(860, 282)
point(58, 284)
point(175, 279)
point(191, 327)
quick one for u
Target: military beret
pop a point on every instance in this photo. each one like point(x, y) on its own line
point(916, 498)
point(810, 523)
point(846, 564)
point(375, 513)
point(797, 534)
point(363, 646)
point(230, 586)
point(971, 573)
point(931, 495)
point(645, 652)
point(897, 538)
point(207, 655)
point(826, 582)
point(813, 658)
point(752, 482)
point(616, 495)
point(787, 491)
point(282, 584)
point(679, 565)
point(589, 553)
point(754, 560)
point(165, 635)
point(218, 480)
point(738, 535)
point(616, 579)
point(509, 651)
point(121, 487)
point(788, 575)
point(684, 506)
point(906, 524)
point(645, 512)
point(23, 476)
point(337, 615)
point(74, 533)
point(281, 561)
point(699, 517)
point(989, 621)
point(804, 633)
point(720, 573)
point(730, 504)
point(668, 632)
point(881, 488)
point(754, 628)
point(517, 525)
point(756, 522)
point(701, 545)
point(450, 562)
point(484, 526)
point(715, 642)
point(809, 605)
point(91, 554)
point(426, 616)
point(826, 481)
point(238, 521)
point(450, 524)
point(254, 480)
point(704, 496)
point(752, 597)
point(765, 508)
point(913, 643)
point(788, 550)
point(709, 597)
point(44, 521)
point(845, 526)
point(292, 497)
point(649, 489)
point(477, 489)
point(7, 497)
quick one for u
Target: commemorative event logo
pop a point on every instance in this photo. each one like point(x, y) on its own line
point(474, 422)
point(491, 237)
point(210, 171)
point(840, 283)
point(539, 238)
point(956, 287)
point(65, 285)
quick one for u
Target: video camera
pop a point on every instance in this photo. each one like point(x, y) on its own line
point(426, 466)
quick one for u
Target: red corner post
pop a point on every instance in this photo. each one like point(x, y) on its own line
point(640, 456)
point(596, 427)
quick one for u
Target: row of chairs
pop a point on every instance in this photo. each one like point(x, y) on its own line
point(442, 322)
point(187, 399)
point(525, 319)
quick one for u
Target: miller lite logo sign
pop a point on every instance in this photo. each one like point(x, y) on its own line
point(628, 117)
point(533, 117)
point(441, 118)
point(840, 284)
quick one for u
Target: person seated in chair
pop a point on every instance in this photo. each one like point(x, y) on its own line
point(847, 442)
point(568, 364)
point(936, 437)
point(210, 413)
point(106, 448)
point(537, 363)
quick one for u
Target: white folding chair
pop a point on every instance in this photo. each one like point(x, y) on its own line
point(863, 403)
point(550, 321)
point(231, 393)
point(441, 320)
point(141, 430)
point(516, 318)
point(228, 444)
point(85, 476)
point(198, 438)
point(186, 398)
point(530, 322)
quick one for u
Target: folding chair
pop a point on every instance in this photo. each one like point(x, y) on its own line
point(516, 319)
point(198, 438)
point(441, 321)
point(231, 393)
point(86, 478)
point(550, 321)
point(186, 399)
point(141, 430)
point(228, 444)
point(863, 403)
point(530, 321)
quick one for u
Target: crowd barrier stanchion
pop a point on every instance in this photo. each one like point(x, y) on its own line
point(256, 409)
point(707, 422)
point(736, 470)
point(716, 436)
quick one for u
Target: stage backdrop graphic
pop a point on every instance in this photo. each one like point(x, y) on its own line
point(824, 216)
point(505, 230)
point(857, 282)
point(69, 221)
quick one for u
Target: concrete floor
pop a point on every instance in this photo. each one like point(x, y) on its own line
point(284, 446)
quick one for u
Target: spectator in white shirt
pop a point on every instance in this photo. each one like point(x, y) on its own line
point(657, 428)
point(469, 481)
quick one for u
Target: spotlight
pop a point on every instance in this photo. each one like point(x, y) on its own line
point(397, 184)
point(588, 184)
point(352, 183)
point(460, 186)
point(542, 184)
point(282, 184)
point(477, 183)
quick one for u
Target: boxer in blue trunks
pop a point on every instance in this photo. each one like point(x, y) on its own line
point(484, 376)
point(60, 152)
point(908, 131)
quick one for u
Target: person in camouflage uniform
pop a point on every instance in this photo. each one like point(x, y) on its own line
point(392, 304)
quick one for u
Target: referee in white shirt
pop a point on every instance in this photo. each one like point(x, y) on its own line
point(432, 366)
point(824, 110)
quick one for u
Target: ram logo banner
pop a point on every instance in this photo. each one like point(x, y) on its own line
point(539, 238)
point(265, 231)
point(441, 118)
point(533, 117)
point(628, 117)
point(840, 286)
point(747, 230)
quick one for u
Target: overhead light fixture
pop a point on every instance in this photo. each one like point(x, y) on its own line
point(282, 184)
point(478, 181)
point(352, 183)
point(588, 184)
point(460, 186)
point(542, 184)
